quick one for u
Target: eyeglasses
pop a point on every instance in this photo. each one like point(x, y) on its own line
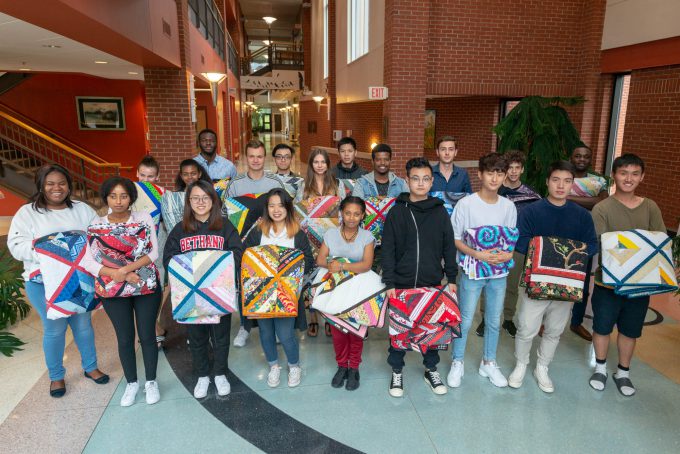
point(197, 199)
point(282, 157)
point(425, 180)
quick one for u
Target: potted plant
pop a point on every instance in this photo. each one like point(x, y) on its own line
point(12, 304)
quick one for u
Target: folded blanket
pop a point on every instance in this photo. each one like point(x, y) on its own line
point(292, 184)
point(69, 288)
point(347, 185)
point(521, 196)
point(221, 187)
point(638, 263)
point(376, 212)
point(318, 215)
point(423, 318)
point(347, 325)
point(450, 199)
point(149, 197)
point(555, 269)
point(116, 245)
point(243, 211)
point(271, 278)
point(588, 186)
point(486, 238)
point(202, 284)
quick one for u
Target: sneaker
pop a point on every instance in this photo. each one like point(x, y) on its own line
point(274, 376)
point(222, 385)
point(396, 385)
point(493, 373)
point(201, 388)
point(339, 377)
point(153, 395)
point(433, 379)
point(130, 394)
point(241, 337)
point(509, 326)
point(544, 381)
point(480, 329)
point(517, 376)
point(456, 374)
point(352, 380)
point(294, 376)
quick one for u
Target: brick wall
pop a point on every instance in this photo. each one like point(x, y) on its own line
point(365, 121)
point(322, 137)
point(653, 132)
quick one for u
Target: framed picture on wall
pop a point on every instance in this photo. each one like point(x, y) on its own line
point(100, 113)
point(430, 122)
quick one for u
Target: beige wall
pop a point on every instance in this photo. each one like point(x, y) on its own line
point(317, 84)
point(637, 21)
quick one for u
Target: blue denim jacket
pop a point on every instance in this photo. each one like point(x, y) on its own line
point(366, 187)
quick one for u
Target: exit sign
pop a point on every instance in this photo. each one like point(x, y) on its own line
point(377, 92)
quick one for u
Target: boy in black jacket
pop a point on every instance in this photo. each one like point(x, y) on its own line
point(417, 236)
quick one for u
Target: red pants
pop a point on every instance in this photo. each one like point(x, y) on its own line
point(348, 348)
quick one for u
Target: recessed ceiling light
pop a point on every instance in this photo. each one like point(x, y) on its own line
point(132, 73)
point(52, 46)
point(24, 69)
point(100, 62)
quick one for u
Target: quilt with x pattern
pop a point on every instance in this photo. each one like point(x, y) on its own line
point(347, 185)
point(555, 269)
point(116, 245)
point(638, 263)
point(149, 197)
point(317, 216)
point(424, 318)
point(271, 281)
point(69, 288)
point(221, 187)
point(202, 284)
point(243, 211)
point(485, 238)
point(292, 184)
point(376, 213)
point(450, 199)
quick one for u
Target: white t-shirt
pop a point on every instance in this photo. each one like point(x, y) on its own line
point(282, 239)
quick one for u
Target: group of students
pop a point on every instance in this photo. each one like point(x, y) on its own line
point(420, 243)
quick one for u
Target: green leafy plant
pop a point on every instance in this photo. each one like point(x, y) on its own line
point(12, 304)
point(541, 128)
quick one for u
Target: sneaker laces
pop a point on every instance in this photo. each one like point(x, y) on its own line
point(434, 377)
point(396, 379)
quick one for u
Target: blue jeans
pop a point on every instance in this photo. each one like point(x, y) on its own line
point(468, 295)
point(284, 329)
point(54, 335)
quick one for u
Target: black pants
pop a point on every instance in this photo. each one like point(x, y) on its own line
point(199, 338)
point(124, 312)
point(578, 310)
point(396, 359)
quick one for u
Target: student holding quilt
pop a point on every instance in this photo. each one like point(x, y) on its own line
point(624, 210)
point(355, 244)
point(172, 203)
point(204, 228)
point(547, 218)
point(279, 227)
point(380, 182)
point(51, 210)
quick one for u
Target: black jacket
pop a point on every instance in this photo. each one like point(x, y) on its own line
point(416, 238)
point(352, 173)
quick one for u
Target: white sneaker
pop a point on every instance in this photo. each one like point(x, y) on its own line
point(493, 372)
point(130, 394)
point(222, 385)
point(153, 395)
point(274, 377)
point(241, 337)
point(517, 376)
point(201, 388)
point(294, 376)
point(397, 385)
point(543, 379)
point(455, 374)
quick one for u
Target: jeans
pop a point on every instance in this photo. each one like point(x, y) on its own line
point(54, 335)
point(531, 314)
point(284, 329)
point(468, 295)
point(512, 284)
point(200, 336)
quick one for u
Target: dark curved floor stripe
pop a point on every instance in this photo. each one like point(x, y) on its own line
point(249, 415)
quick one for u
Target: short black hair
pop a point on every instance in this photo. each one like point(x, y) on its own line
point(562, 165)
point(355, 200)
point(493, 162)
point(347, 140)
point(381, 148)
point(38, 200)
point(417, 163)
point(149, 161)
point(111, 183)
point(628, 159)
point(205, 131)
point(282, 146)
point(517, 156)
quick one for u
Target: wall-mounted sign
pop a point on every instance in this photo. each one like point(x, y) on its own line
point(377, 92)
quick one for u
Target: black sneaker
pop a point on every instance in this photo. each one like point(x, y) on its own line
point(509, 326)
point(396, 385)
point(480, 329)
point(339, 377)
point(433, 379)
point(352, 379)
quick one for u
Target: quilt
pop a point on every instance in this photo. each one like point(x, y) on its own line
point(638, 263)
point(423, 318)
point(243, 211)
point(317, 216)
point(271, 278)
point(347, 184)
point(588, 186)
point(69, 288)
point(450, 199)
point(221, 187)
point(555, 269)
point(292, 184)
point(149, 197)
point(521, 196)
point(202, 284)
point(116, 245)
point(376, 213)
point(486, 238)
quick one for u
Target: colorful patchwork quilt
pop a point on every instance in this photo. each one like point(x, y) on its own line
point(69, 288)
point(149, 200)
point(116, 245)
point(588, 186)
point(376, 212)
point(292, 184)
point(450, 199)
point(243, 211)
point(638, 263)
point(271, 278)
point(317, 216)
point(202, 284)
point(555, 269)
point(347, 185)
point(486, 238)
point(221, 187)
point(423, 318)
point(347, 325)
point(521, 196)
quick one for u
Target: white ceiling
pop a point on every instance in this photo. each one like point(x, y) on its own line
point(23, 45)
point(286, 13)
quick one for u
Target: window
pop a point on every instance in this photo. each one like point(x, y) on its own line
point(357, 29)
point(325, 39)
point(617, 121)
